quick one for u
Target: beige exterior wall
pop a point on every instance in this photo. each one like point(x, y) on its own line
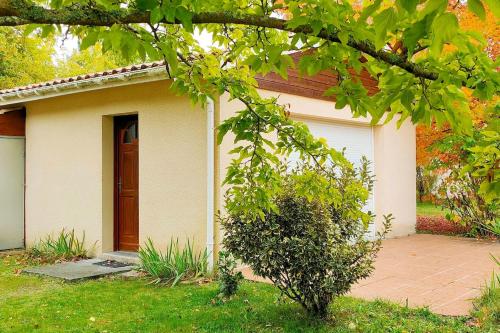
point(395, 171)
point(69, 148)
point(69, 171)
point(394, 151)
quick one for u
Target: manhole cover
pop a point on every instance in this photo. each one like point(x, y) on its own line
point(111, 264)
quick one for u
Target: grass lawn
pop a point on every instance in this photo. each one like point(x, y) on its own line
point(429, 209)
point(32, 304)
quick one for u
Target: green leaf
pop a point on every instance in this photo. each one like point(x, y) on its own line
point(343, 36)
point(186, 18)
point(476, 6)
point(383, 23)
point(141, 51)
point(409, 5)
point(444, 28)
point(30, 28)
point(146, 4)
point(274, 53)
point(341, 102)
point(89, 40)
point(407, 98)
point(413, 34)
point(151, 51)
point(368, 11)
point(170, 54)
point(169, 12)
point(47, 30)
point(115, 37)
point(56, 3)
point(156, 16)
point(434, 6)
point(419, 111)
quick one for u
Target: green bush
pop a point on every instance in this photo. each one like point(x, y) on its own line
point(312, 251)
point(469, 190)
point(66, 246)
point(229, 278)
point(175, 264)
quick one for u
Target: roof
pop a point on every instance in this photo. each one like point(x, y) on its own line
point(296, 84)
point(56, 82)
point(79, 82)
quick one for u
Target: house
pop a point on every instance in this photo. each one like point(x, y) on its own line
point(119, 156)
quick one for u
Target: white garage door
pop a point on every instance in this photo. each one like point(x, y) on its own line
point(357, 141)
point(11, 192)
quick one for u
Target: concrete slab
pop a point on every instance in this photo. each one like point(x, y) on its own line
point(77, 271)
point(122, 256)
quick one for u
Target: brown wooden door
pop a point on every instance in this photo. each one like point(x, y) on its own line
point(127, 183)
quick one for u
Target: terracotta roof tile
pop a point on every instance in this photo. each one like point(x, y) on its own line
point(82, 77)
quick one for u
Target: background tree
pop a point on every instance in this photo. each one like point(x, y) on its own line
point(429, 153)
point(90, 60)
point(24, 59)
point(28, 57)
point(469, 190)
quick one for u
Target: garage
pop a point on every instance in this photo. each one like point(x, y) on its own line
point(357, 141)
point(12, 145)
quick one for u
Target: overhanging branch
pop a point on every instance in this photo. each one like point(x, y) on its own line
point(19, 12)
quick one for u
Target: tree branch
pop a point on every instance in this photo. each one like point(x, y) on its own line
point(21, 12)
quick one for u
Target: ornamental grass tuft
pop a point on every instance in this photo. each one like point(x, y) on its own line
point(66, 246)
point(175, 264)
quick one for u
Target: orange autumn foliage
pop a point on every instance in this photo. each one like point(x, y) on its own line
point(490, 30)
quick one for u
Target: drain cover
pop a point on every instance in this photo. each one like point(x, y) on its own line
point(111, 264)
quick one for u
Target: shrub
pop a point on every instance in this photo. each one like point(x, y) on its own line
point(175, 264)
point(229, 278)
point(66, 246)
point(311, 250)
point(470, 189)
point(427, 183)
point(467, 206)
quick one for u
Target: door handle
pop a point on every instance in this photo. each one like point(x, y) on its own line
point(120, 185)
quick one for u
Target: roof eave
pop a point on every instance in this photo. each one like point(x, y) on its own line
point(96, 83)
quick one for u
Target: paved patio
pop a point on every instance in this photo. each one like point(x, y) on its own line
point(441, 272)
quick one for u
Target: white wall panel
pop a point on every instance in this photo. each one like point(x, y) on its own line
point(11, 192)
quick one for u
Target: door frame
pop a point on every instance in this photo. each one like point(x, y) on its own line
point(116, 171)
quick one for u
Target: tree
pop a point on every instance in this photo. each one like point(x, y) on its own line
point(24, 59)
point(400, 43)
point(27, 57)
point(92, 60)
point(427, 136)
point(470, 189)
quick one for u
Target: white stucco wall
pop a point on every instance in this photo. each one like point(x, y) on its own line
point(395, 171)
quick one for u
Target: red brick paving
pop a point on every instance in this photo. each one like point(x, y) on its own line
point(442, 272)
